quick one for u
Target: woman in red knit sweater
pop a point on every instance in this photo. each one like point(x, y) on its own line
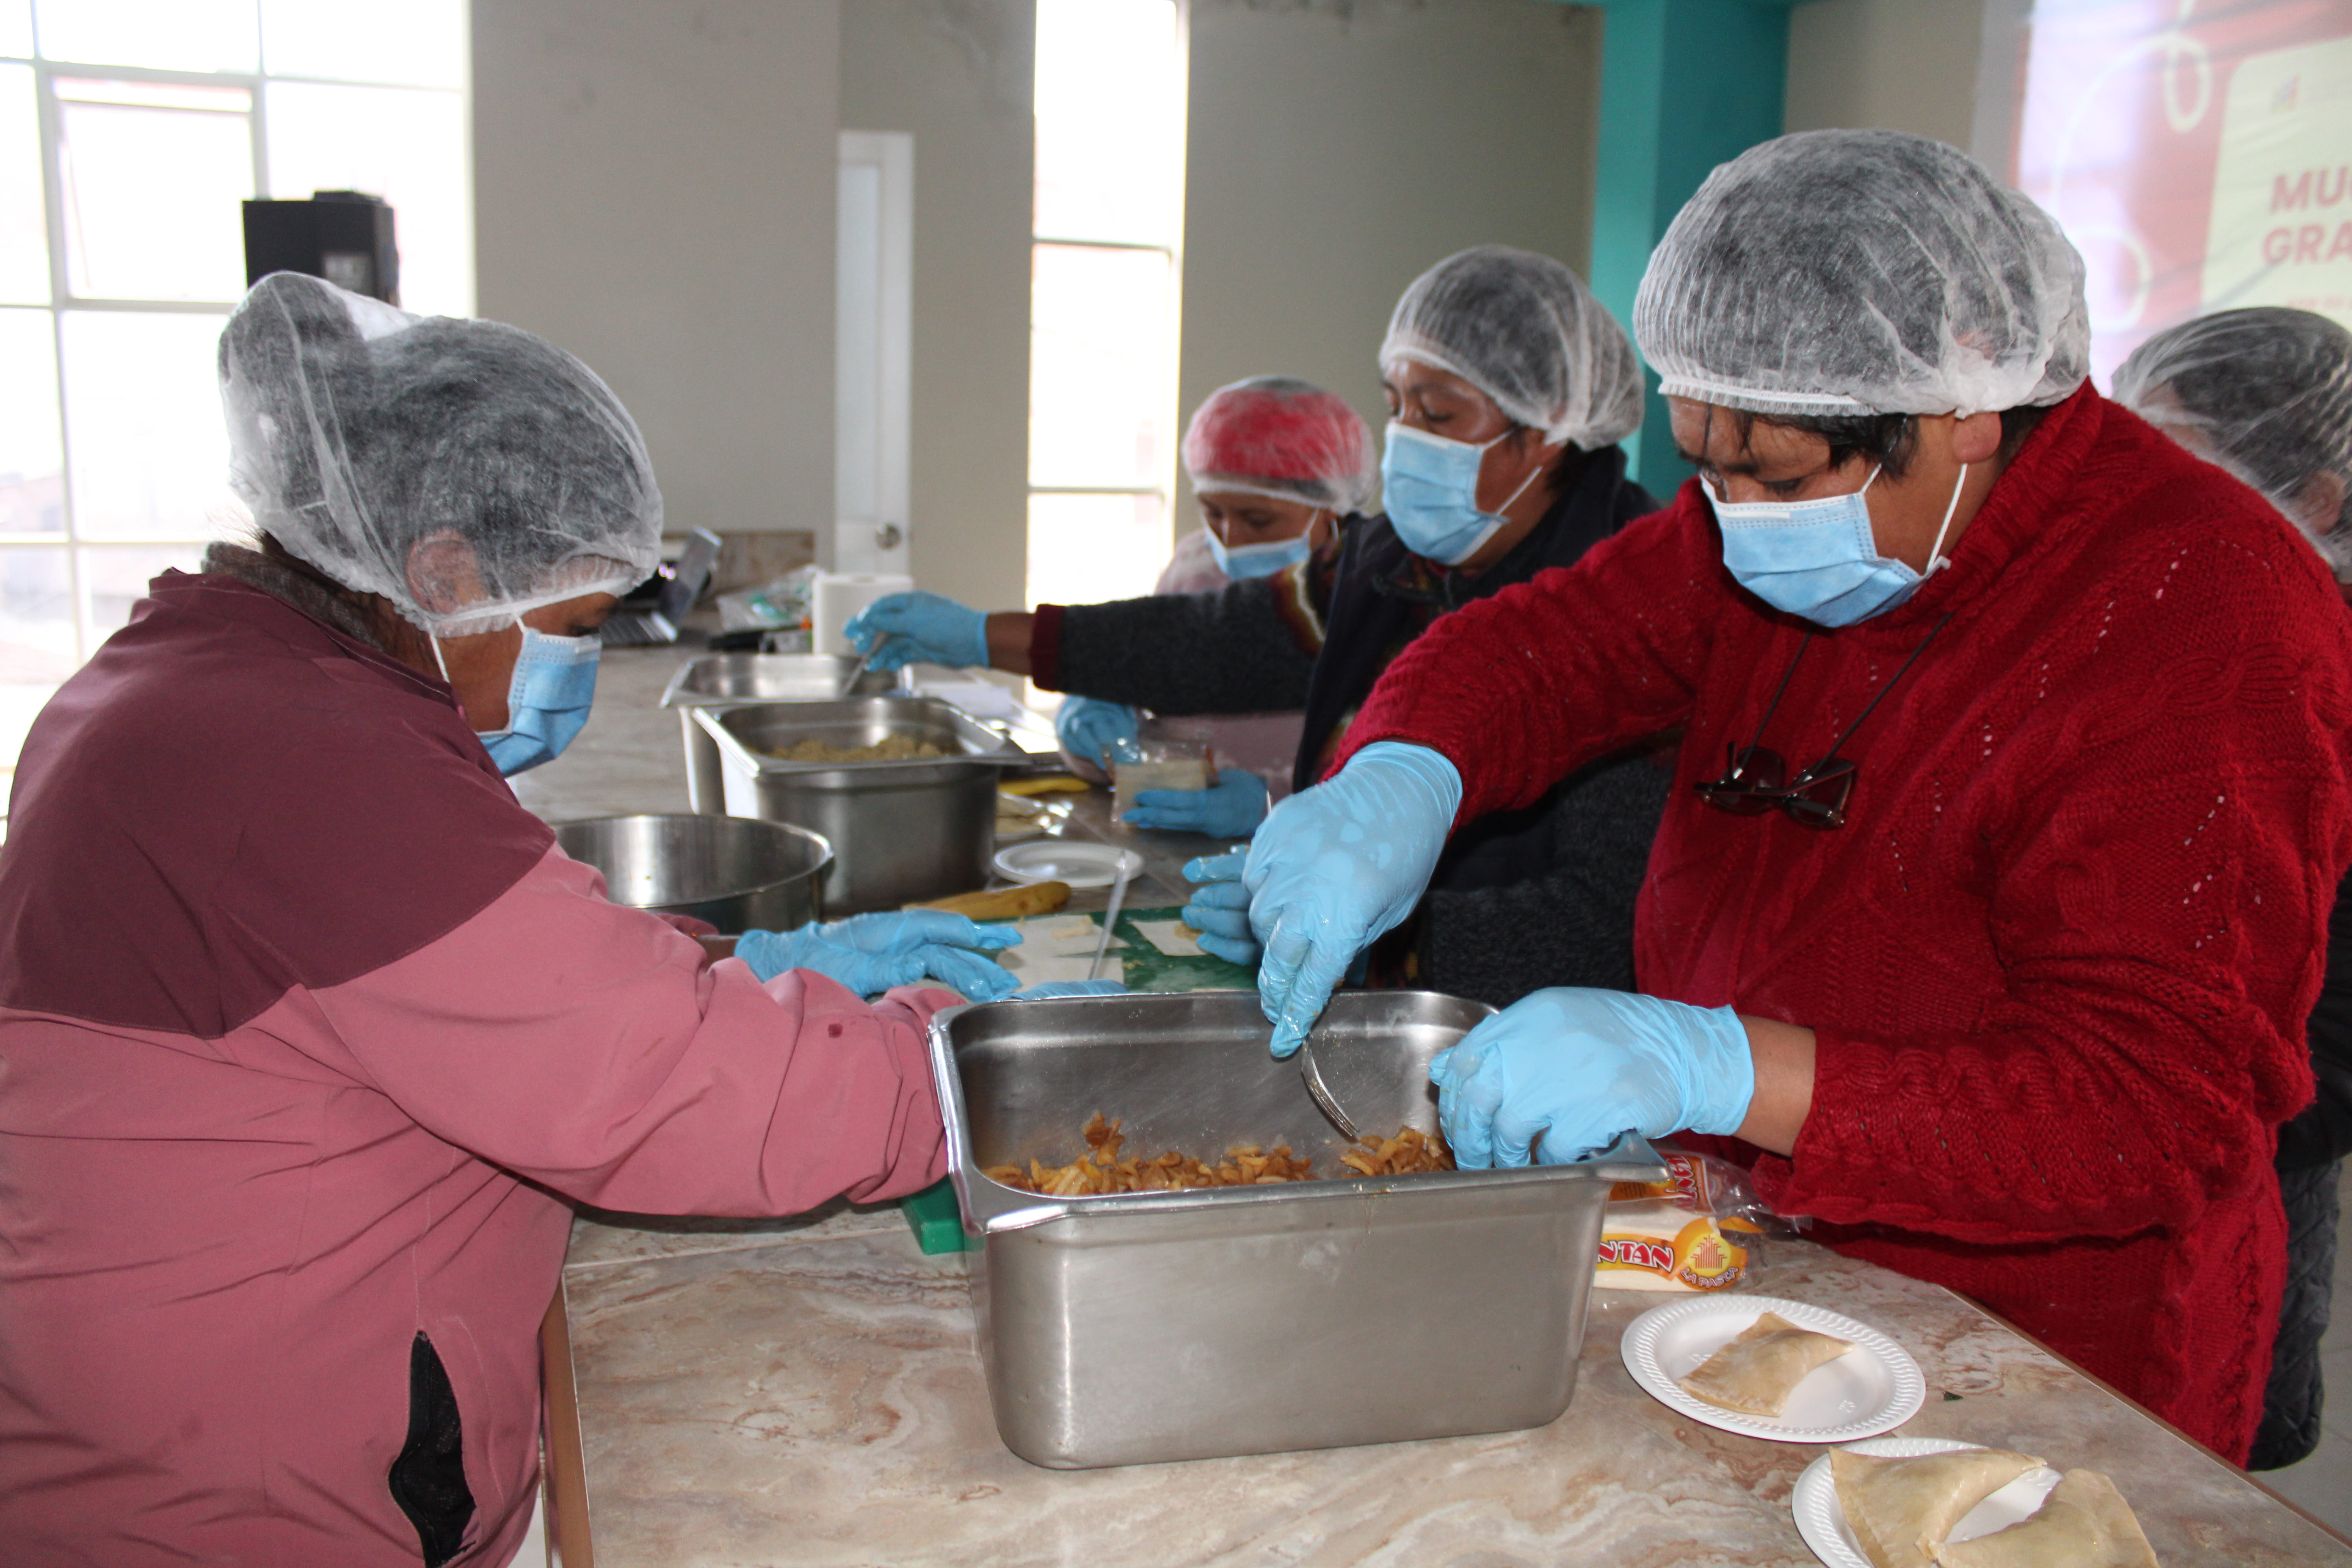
point(1990, 899)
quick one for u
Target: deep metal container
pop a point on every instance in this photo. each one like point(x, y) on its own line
point(738, 874)
point(1134, 1329)
point(718, 680)
point(900, 831)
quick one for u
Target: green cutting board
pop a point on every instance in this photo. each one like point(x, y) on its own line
point(1146, 968)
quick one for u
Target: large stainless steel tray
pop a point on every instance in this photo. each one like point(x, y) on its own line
point(717, 680)
point(1131, 1330)
point(900, 831)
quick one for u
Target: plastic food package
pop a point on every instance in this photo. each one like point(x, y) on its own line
point(1700, 1229)
point(1165, 764)
point(781, 604)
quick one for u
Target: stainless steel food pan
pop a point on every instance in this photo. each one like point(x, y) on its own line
point(738, 874)
point(1131, 1330)
point(719, 679)
point(900, 831)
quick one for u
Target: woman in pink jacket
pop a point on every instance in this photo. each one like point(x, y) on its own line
point(308, 1029)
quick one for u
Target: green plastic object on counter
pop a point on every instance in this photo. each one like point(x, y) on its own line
point(936, 1220)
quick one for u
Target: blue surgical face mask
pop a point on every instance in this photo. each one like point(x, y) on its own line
point(1819, 558)
point(1429, 488)
point(547, 701)
point(1239, 561)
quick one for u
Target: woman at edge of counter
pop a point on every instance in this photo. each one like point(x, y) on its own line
point(2265, 394)
point(1992, 941)
point(1278, 467)
point(1509, 386)
point(308, 1030)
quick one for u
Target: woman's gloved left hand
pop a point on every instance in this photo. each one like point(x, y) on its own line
point(1562, 1072)
point(1220, 907)
point(871, 953)
point(1232, 808)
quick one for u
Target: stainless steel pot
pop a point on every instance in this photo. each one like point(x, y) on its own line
point(900, 831)
point(1131, 1330)
point(738, 874)
point(721, 680)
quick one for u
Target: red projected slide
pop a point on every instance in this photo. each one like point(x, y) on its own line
point(2199, 152)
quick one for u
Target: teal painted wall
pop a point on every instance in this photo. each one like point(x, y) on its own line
point(1685, 84)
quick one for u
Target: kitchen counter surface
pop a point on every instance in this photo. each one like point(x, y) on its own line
point(808, 1390)
point(810, 1393)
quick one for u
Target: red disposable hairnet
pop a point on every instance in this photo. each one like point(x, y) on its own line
point(1278, 436)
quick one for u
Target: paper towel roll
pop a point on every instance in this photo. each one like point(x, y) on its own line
point(839, 596)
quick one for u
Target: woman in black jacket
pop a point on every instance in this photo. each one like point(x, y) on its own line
point(1509, 387)
point(2266, 394)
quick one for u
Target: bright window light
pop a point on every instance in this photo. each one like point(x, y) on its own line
point(127, 143)
point(156, 34)
point(151, 178)
point(1107, 282)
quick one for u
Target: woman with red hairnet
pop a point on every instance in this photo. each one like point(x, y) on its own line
point(1275, 463)
point(1509, 389)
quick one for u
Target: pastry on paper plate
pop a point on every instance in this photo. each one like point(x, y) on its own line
point(2082, 1523)
point(1761, 1365)
point(1901, 1510)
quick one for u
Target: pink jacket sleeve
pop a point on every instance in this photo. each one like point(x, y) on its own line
point(593, 1050)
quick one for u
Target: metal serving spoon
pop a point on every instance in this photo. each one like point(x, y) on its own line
point(1319, 1091)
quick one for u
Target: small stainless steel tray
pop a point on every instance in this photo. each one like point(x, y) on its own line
point(900, 831)
point(1134, 1329)
point(717, 679)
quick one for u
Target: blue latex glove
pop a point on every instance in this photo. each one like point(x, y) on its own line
point(900, 629)
point(1338, 864)
point(1565, 1070)
point(1097, 731)
point(1232, 808)
point(871, 953)
point(1220, 907)
point(1053, 988)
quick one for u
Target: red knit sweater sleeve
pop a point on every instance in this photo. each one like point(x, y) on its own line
point(1521, 690)
point(2166, 855)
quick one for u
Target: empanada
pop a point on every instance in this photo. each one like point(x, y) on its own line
point(1756, 1371)
point(2082, 1523)
point(1900, 1509)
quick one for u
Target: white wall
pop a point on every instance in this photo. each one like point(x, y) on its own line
point(957, 74)
point(1336, 152)
point(654, 186)
point(1896, 65)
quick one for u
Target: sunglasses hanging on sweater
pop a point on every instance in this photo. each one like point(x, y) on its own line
point(1756, 778)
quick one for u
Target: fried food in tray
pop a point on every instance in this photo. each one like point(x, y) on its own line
point(1100, 1170)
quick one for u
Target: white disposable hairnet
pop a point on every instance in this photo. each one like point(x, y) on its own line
point(1852, 272)
point(2268, 391)
point(1279, 436)
point(358, 432)
point(1526, 331)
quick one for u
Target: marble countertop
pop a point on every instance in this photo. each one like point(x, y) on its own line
point(809, 1390)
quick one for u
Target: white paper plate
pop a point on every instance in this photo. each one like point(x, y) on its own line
point(1871, 1389)
point(1062, 860)
point(1821, 1521)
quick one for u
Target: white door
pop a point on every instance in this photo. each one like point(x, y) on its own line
point(873, 323)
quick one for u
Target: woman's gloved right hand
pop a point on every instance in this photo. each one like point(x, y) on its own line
point(900, 629)
point(1336, 866)
point(1231, 808)
point(1097, 731)
point(871, 953)
point(1219, 908)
